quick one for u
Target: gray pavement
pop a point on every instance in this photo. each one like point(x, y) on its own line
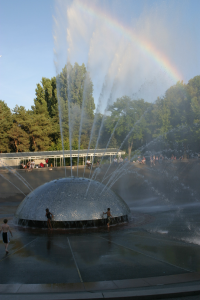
point(52, 257)
point(155, 249)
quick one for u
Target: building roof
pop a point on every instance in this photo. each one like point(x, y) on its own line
point(66, 153)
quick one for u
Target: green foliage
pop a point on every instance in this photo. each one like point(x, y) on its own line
point(130, 117)
point(58, 145)
point(193, 90)
point(40, 130)
point(19, 139)
point(5, 126)
point(74, 82)
point(173, 121)
point(19, 133)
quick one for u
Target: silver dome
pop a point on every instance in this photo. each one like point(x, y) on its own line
point(66, 200)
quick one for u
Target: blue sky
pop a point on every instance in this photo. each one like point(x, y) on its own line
point(26, 46)
point(26, 41)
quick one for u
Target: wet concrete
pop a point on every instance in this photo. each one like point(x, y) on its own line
point(64, 258)
point(161, 240)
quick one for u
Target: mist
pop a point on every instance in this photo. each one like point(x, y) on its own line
point(146, 54)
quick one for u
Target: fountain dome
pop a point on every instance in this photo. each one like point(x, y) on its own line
point(67, 201)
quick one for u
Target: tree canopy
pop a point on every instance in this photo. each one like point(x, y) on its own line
point(133, 123)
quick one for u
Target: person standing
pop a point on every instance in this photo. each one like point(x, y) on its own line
point(143, 160)
point(156, 160)
point(108, 216)
point(49, 216)
point(88, 164)
point(47, 162)
point(33, 164)
point(5, 235)
point(115, 161)
point(151, 160)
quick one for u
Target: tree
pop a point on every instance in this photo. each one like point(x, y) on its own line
point(193, 89)
point(175, 117)
point(46, 100)
point(5, 126)
point(161, 117)
point(128, 113)
point(40, 129)
point(19, 138)
point(40, 124)
point(19, 133)
point(74, 83)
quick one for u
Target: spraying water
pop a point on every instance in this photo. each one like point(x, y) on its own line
point(12, 184)
point(60, 120)
point(69, 113)
point(95, 119)
point(15, 173)
point(127, 136)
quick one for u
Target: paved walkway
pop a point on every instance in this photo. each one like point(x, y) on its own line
point(129, 260)
point(122, 259)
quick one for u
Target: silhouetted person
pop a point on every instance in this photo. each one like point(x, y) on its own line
point(5, 236)
point(49, 216)
point(108, 216)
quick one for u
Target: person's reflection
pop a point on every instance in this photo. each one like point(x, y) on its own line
point(48, 245)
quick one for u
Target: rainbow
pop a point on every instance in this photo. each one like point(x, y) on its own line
point(147, 47)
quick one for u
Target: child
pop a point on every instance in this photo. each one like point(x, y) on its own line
point(5, 228)
point(108, 216)
point(49, 217)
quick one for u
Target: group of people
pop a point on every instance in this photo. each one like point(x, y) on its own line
point(50, 216)
point(88, 163)
point(141, 160)
point(31, 165)
point(173, 157)
point(120, 160)
point(155, 159)
point(5, 228)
